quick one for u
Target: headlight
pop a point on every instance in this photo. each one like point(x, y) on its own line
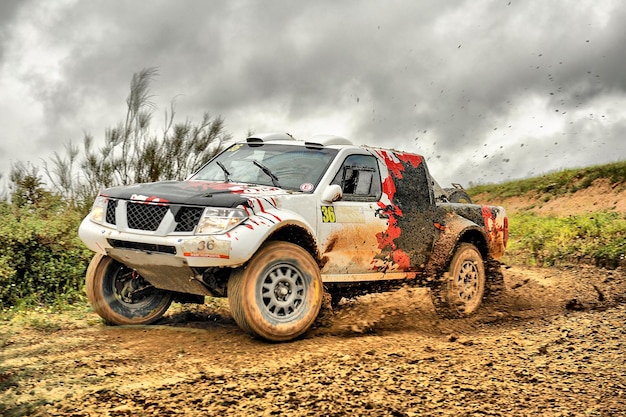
point(98, 210)
point(219, 220)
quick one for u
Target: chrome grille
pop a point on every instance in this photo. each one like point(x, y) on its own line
point(187, 218)
point(142, 216)
point(110, 213)
point(148, 216)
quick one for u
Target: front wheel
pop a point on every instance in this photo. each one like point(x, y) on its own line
point(121, 296)
point(462, 287)
point(278, 295)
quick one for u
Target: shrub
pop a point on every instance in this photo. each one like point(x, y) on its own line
point(598, 238)
point(41, 258)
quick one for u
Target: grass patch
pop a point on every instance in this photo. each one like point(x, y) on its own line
point(46, 318)
point(598, 239)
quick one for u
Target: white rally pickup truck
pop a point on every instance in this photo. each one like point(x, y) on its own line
point(274, 223)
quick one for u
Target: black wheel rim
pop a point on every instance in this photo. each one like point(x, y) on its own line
point(131, 289)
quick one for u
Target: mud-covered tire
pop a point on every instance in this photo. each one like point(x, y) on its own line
point(495, 288)
point(460, 290)
point(121, 296)
point(278, 294)
point(457, 195)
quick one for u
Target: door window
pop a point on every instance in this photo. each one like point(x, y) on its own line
point(359, 178)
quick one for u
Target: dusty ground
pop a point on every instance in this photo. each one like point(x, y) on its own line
point(554, 345)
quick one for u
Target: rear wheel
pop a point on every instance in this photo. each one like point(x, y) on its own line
point(278, 295)
point(121, 296)
point(462, 287)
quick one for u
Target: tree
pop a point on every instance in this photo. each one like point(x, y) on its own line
point(132, 152)
point(28, 186)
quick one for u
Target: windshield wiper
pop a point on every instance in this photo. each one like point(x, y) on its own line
point(268, 172)
point(226, 173)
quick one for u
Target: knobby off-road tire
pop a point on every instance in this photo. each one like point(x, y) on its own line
point(121, 296)
point(495, 289)
point(278, 295)
point(461, 289)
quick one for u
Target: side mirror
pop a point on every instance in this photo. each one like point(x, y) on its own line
point(332, 193)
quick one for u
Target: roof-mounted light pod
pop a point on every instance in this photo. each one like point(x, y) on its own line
point(265, 137)
point(327, 140)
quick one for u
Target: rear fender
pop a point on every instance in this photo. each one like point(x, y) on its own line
point(497, 229)
point(454, 229)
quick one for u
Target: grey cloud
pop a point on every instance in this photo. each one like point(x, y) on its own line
point(8, 10)
point(445, 79)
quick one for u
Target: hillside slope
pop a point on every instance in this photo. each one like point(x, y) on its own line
point(600, 195)
point(564, 218)
point(567, 192)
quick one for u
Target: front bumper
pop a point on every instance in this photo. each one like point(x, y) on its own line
point(170, 262)
point(195, 251)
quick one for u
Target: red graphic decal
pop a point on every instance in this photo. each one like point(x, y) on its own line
point(402, 259)
point(389, 188)
point(234, 188)
point(414, 160)
point(490, 221)
point(252, 190)
point(494, 230)
point(395, 167)
point(208, 185)
point(138, 198)
point(387, 237)
point(160, 201)
point(396, 163)
point(205, 255)
point(259, 202)
point(506, 231)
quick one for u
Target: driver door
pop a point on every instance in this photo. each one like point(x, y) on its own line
point(350, 229)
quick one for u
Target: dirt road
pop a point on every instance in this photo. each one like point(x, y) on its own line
point(554, 345)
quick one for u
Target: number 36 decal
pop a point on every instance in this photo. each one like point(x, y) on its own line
point(328, 214)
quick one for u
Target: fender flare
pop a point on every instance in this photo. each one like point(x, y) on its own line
point(281, 227)
point(456, 229)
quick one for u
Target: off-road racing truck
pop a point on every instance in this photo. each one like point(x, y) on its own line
point(278, 225)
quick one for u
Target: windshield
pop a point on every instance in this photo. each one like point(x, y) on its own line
point(291, 167)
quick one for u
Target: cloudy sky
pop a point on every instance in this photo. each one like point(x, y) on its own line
point(487, 90)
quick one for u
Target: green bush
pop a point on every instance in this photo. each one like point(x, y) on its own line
point(598, 238)
point(41, 257)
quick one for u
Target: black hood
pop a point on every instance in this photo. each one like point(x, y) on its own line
point(199, 193)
